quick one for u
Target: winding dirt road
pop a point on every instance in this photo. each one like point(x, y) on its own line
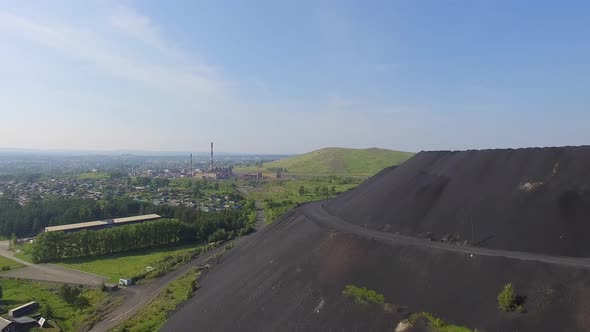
point(316, 212)
point(135, 297)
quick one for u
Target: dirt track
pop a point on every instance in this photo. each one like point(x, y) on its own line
point(47, 272)
point(315, 211)
point(135, 297)
point(54, 273)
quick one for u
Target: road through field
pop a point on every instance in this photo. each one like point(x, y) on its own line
point(316, 212)
point(47, 272)
point(135, 297)
point(6, 252)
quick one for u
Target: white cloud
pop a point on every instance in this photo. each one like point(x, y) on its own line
point(340, 102)
point(191, 79)
point(132, 23)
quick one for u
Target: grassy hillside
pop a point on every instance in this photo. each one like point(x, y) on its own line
point(336, 161)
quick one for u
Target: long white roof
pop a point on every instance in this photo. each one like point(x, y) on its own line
point(97, 223)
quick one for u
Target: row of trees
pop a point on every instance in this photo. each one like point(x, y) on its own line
point(53, 246)
point(318, 190)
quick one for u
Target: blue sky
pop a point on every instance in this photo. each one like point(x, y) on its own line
point(293, 76)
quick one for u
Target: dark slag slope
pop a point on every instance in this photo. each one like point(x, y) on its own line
point(289, 277)
point(535, 199)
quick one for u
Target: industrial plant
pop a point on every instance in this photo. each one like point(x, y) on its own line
point(212, 172)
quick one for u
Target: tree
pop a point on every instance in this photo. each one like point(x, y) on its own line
point(301, 190)
point(317, 190)
point(325, 191)
point(47, 311)
point(69, 294)
point(1, 292)
point(333, 190)
point(81, 302)
point(507, 298)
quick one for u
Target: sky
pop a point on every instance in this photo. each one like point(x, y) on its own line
point(258, 76)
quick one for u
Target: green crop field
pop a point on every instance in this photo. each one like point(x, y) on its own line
point(335, 161)
point(70, 318)
point(127, 264)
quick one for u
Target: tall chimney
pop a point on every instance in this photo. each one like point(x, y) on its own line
point(192, 165)
point(211, 160)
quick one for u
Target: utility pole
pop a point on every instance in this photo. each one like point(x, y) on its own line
point(191, 165)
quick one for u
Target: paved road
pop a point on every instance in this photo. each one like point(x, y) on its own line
point(135, 297)
point(47, 272)
point(316, 212)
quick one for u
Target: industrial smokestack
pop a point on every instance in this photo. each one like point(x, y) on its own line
point(211, 160)
point(192, 165)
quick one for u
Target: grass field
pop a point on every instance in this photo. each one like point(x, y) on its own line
point(7, 262)
point(94, 176)
point(288, 190)
point(24, 256)
point(278, 196)
point(154, 315)
point(335, 161)
point(127, 264)
point(18, 292)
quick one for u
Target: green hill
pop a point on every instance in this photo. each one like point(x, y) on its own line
point(336, 161)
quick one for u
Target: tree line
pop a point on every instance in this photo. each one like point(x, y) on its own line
point(53, 246)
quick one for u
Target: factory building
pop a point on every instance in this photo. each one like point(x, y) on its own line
point(102, 224)
point(216, 172)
